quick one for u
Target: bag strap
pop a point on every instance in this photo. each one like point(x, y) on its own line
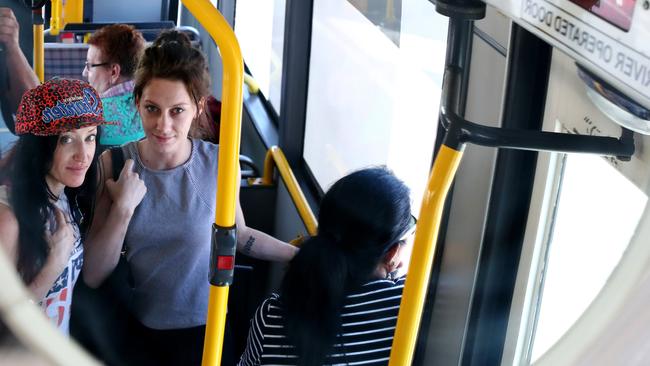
point(117, 155)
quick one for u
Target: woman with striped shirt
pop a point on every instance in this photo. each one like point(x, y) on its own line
point(339, 300)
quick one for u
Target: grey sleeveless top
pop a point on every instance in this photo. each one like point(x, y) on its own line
point(168, 239)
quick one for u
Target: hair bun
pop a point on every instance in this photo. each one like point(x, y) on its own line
point(172, 38)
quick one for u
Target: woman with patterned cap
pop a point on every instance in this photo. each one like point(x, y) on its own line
point(51, 173)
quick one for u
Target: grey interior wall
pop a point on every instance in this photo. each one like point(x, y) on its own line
point(115, 11)
point(258, 130)
point(251, 145)
point(210, 49)
point(468, 210)
point(288, 225)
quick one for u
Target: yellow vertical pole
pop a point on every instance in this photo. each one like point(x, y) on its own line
point(230, 132)
point(275, 157)
point(415, 288)
point(55, 18)
point(73, 12)
point(39, 53)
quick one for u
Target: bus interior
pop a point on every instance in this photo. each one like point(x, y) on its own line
point(539, 255)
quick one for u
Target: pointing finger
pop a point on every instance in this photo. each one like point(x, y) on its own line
point(60, 217)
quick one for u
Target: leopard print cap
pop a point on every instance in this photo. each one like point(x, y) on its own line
point(57, 106)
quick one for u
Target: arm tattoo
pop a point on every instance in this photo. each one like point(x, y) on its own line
point(249, 245)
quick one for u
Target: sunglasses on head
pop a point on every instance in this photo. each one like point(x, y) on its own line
point(410, 229)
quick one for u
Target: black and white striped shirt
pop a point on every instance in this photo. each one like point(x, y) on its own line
point(369, 317)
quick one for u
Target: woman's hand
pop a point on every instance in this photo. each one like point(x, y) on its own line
point(129, 190)
point(9, 28)
point(113, 212)
point(60, 242)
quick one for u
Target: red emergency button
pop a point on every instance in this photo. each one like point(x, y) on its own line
point(225, 262)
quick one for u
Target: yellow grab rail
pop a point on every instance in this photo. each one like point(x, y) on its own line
point(73, 12)
point(228, 176)
point(253, 86)
point(426, 234)
point(56, 22)
point(39, 53)
point(275, 157)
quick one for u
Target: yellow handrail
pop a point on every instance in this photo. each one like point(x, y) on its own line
point(56, 22)
point(227, 178)
point(424, 247)
point(73, 12)
point(39, 53)
point(251, 83)
point(275, 157)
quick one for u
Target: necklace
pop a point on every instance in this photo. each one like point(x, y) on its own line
point(51, 194)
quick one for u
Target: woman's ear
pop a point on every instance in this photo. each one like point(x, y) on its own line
point(391, 257)
point(116, 71)
point(201, 106)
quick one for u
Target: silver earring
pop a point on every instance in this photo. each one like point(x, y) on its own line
point(391, 276)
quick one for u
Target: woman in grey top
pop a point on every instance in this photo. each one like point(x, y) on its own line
point(163, 206)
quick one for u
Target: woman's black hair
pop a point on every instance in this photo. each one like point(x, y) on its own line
point(361, 216)
point(31, 161)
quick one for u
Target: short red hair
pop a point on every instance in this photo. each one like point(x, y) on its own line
point(120, 44)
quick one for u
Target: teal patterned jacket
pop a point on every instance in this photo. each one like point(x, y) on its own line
point(119, 106)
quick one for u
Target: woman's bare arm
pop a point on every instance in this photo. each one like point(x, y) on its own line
point(21, 76)
point(61, 242)
point(260, 245)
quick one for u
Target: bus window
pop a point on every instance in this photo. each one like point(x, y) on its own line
point(375, 78)
point(260, 30)
point(123, 11)
point(596, 214)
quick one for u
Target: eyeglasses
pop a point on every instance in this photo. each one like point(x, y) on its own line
point(411, 229)
point(89, 66)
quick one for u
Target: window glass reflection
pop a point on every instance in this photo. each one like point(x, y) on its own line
point(259, 26)
point(597, 213)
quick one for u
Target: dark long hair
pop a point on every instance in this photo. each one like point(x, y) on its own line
point(361, 217)
point(30, 162)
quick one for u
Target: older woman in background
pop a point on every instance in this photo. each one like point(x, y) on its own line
point(112, 58)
